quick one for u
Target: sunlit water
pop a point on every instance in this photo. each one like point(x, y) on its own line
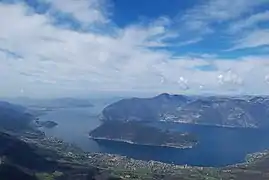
point(217, 146)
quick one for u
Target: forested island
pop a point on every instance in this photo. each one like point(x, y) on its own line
point(142, 134)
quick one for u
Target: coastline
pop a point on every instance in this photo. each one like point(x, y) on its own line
point(207, 125)
point(131, 142)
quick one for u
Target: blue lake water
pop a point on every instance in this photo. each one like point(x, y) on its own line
point(217, 146)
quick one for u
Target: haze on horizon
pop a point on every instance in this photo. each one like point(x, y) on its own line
point(52, 48)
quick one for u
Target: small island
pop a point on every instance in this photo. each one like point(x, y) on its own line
point(142, 134)
point(46, 124)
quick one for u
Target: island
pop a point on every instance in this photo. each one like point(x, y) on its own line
point(46, 124)
point(133, 132)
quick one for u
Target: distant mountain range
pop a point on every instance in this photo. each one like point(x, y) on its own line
point(17, 118)
point(53, 103)
point(246, 111)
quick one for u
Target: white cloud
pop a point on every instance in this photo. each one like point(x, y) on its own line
point(266, 78)
point(230, 77)
point(56, 61)
point(252, 39)
point(183, 83)
point(216, 11)
point(249, 22)
point(217, 17)
point(191, 41)
point(144, 36)
point(85, 11)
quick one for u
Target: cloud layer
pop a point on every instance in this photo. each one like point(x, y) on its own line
point(39, 57)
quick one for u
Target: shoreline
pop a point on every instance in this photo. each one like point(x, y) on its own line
point(131, 142)
point(207, 125)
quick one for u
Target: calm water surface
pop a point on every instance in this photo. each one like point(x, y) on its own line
point(217, 146)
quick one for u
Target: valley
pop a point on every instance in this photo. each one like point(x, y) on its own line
point(125, 161)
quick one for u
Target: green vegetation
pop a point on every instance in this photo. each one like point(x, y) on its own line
point(47, 176)
point(44, 176)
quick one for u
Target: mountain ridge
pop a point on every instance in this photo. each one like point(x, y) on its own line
point(14, 117)
point(245, 111)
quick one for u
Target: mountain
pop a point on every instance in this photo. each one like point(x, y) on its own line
point(14, 117)
point(247, 111)
point(26, 155)
point(143, 109)
point(8, 172)
point(20, 160)
point(67, 102)
point(54, 103)
point(22, 154)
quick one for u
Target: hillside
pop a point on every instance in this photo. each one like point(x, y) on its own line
point(29, 155)
point(43, 159)
point(248, 111)
point(20, 160)
point(14, 117)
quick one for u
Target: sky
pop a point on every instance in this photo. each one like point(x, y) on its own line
point(74, 47)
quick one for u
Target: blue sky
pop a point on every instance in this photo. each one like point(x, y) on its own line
point(70, 47)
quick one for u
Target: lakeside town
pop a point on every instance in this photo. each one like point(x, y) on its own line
point(128, 168)
point(121, 165)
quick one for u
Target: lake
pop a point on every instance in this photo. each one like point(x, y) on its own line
point(217, 146)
